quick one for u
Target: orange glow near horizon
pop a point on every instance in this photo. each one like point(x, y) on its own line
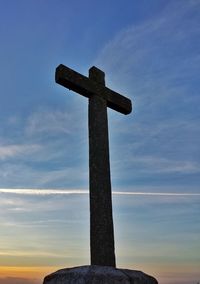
point(26, 272)
point(163, 273)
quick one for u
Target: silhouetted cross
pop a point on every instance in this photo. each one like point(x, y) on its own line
point(100, 97)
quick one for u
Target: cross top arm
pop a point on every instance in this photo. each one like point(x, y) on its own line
point(88, 87)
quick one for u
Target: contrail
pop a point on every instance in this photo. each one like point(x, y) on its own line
point(43, 191)
point(155, 193)
point(81, 192)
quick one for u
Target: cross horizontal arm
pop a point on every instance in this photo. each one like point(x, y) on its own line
point(87, 87)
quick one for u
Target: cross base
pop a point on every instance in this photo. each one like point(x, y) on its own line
point(98, 275)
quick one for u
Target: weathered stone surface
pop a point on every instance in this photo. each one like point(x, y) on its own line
point(100, 97)
point(86, 87)
point(101, 220)
point(98, 275)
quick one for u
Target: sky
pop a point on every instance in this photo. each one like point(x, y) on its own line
point(150, 52)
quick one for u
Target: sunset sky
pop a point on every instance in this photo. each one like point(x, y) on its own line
point(150, 52)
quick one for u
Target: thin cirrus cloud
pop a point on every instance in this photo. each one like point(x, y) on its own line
point(9, 151)
point(146, 59)
point(45, 121)
point(156, 63)
point(81, 191)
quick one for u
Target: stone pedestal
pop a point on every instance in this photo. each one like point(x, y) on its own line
point(95, 274)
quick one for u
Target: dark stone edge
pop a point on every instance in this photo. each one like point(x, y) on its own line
point(125, 271)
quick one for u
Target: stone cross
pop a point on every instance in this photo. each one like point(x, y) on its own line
point(100, 97)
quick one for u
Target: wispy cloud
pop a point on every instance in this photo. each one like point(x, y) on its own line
point(81, 191)
point(41, 173)
point(156, 64)
point(43, 191)
point(40, 149)
point(9, 151)
point(48, 122)
point(157, 164)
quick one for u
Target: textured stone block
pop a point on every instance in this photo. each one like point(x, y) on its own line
point(98, 275)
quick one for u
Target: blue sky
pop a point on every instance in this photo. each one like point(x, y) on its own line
point(150, 52)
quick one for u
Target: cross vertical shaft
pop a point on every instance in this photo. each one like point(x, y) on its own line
point(100, 97)
point(101, 220)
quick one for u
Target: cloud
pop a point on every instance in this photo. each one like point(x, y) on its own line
point(149, 52)
point(48, 122)
point(81, 192)
point(39, 172)
point(155, 63)
point(164, 165)
point(18, 280)
point(10, 151)
point(45, 149)
point(43, 191)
